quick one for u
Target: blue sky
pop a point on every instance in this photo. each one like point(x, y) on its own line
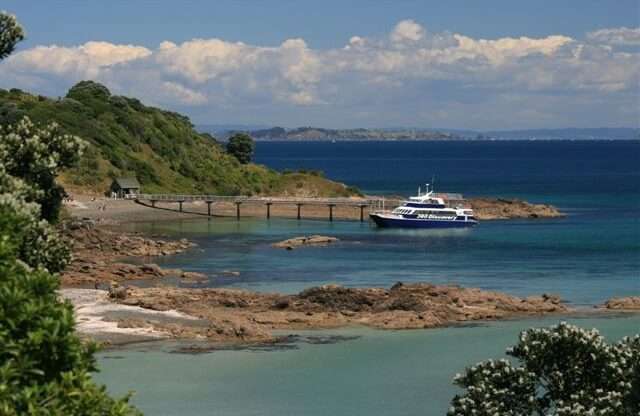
point(370, 63)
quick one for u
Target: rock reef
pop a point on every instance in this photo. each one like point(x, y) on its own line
point(630, 303)
point(503, 209)
point(243, 316)
point(313, 240)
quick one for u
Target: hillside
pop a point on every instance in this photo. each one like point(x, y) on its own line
point(160, 147)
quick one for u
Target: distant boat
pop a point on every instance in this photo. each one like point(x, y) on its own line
point(425, 211)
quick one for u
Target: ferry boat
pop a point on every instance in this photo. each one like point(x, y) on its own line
point(427, 210)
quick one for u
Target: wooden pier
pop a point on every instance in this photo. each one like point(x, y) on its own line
point(362, 203)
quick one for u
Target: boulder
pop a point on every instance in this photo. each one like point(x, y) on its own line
point(313, 240)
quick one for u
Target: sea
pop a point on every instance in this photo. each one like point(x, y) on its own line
point(588, 256)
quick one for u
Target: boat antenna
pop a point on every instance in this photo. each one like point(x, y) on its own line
point(418, 190)
point(433, 183)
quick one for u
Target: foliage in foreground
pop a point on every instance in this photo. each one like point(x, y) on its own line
point(563, 371)
point(44, 367)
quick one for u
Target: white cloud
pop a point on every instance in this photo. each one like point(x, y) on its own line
point(84, 61)
point(616, 36)
point(407, 30)
point(183, 94)
point(391, 78)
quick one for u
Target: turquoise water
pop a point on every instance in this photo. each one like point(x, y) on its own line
point(520, 257)
point(589, 256)
point(380, 373)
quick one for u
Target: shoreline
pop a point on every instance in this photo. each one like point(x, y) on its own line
point(108, 211)
point(160, 310)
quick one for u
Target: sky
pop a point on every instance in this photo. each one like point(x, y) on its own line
point(455, 64)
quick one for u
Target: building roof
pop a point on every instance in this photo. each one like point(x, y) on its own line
point(130, 182)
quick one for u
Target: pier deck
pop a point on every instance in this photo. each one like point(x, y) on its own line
point(299, 202)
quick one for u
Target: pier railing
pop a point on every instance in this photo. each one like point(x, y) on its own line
point(258, 199)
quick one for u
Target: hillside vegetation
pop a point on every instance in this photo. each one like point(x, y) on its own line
point(161, 148)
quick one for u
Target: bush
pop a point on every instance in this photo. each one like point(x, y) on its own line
point(563, 371)
point(45, 368)
point(36, 155)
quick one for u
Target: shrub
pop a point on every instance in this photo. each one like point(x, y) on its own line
point(36, 155)
point(44, 367)
point(563, 371)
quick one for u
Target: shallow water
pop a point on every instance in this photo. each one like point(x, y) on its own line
point(589, 256)
point(379, 373)
point(520, 257)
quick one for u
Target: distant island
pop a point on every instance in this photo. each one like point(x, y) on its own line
point(398, 133)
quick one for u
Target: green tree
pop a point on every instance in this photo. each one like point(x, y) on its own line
point(563, 371)
point(241, 146)
point(45, 369)
point(10, 34)
point(36, 155)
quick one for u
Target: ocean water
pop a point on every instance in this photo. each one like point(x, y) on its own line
point(589, 256)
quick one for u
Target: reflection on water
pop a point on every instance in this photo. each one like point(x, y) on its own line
point(426, 233)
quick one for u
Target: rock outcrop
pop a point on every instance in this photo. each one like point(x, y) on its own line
point(630, 303)
point(313, 240)
point(96, 252)
point(247, 316)
point(502, 209)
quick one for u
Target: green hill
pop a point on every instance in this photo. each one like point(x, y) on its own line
point(161, 148)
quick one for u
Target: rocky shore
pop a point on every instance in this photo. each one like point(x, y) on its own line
point(241, 316)
point(97, 254)
point(123, 312)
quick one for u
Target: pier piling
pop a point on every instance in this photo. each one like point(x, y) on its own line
point(180, 199)
point(331, 211)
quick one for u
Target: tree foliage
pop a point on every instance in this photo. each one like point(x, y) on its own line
point(563, 371)
point(241, 146)
point(10, 34)
point(36, 155)
point(45, 369)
